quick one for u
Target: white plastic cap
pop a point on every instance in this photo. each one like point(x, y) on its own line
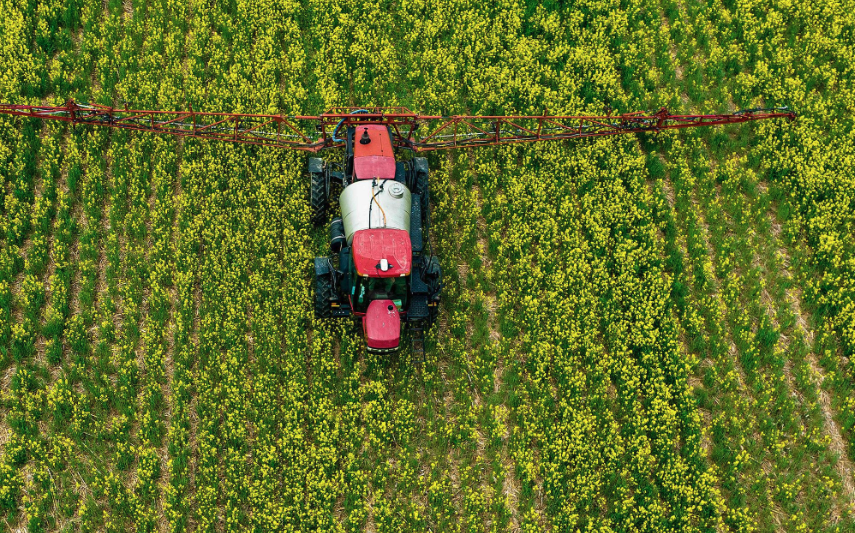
point(396, 190)
point(384, 265)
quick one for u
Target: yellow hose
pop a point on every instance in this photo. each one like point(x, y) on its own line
point(378, 205)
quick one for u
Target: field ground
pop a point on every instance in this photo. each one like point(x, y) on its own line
point(649, 333)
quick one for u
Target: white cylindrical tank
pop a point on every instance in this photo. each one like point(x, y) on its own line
point(395, 201)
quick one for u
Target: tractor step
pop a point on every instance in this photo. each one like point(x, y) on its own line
point(418, 309)
point(416, 224)
point(338, 312)
point(337, 177)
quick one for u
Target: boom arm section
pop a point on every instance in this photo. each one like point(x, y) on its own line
point(264, 130)
point(314, 133)
point(462, 131)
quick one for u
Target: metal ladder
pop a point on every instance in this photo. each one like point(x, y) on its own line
point(417, 343)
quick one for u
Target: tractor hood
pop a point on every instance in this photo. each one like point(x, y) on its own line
point(382, 325)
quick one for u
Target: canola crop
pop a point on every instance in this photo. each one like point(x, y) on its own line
point(643, 333)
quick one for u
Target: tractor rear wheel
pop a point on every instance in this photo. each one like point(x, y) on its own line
point(433, 313)
point(323, 291)
point(433, 278)
point(319, 196)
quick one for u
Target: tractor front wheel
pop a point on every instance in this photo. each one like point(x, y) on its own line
point(419, 176)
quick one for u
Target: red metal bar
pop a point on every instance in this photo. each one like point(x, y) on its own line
point(259, 126)
point(176, 119)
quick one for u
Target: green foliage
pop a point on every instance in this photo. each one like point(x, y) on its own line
point(632, 333)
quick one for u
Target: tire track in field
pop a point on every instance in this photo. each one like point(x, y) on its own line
point(776, 266)
point(100, 226)
point(776, 512)
point(456, 367)
point(72, 263)
point(168, 364)
point(176, 413)
point(681, 82)
point(143, 322)
point(838, 445)
point(744, 399)
point(510, 484)
point(768, 273)
point(703, 359)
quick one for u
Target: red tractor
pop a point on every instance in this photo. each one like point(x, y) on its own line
point(381, 271)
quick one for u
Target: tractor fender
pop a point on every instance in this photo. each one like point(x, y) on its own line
point(316, 165)
point(420, 164)
point(322, 266)
point(433, 269)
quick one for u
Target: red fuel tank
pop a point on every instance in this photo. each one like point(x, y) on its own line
point(382, 325)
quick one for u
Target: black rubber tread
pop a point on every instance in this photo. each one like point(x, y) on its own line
point(433, 275)
point(420, 178)
point(420, 185)
point(409, 175)
point(434, 271)
point(323, 289)
point(433, 313)
point(401, 173)
point(319, 199)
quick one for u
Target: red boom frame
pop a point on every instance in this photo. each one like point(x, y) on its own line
point(458, 131)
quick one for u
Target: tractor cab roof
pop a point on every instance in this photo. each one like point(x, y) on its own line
point(373, 156)
point(382, 253)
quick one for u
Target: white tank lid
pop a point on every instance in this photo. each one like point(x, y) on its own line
point(396, 189)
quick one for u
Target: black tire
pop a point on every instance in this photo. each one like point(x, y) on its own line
point(420, 182)
point(319, 198)
point(433, 278)
point(323, 291)
point(411, 177)
point(433, 313)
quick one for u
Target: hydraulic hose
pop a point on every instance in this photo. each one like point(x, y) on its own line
point(374, 200)
point(340, 122)
point(378, 205)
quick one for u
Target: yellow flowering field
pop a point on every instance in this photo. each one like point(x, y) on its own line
point(637, 334)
